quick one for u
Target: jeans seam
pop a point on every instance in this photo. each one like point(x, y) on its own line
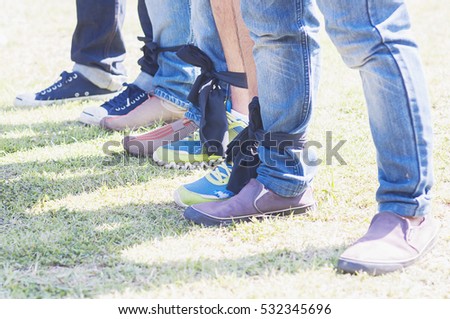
point(306, 107)
point(191, 28)
point(407, 101)
point(112, 35)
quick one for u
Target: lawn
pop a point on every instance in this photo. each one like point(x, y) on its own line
point(76, 223)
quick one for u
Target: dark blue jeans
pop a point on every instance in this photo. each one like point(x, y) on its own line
point(97, 41)
point(98, 49)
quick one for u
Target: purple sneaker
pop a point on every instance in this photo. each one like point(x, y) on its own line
point(391, 243)
point(253, 201)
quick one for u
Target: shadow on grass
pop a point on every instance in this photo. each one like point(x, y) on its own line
point(66, 253)
point(25, 185)
point(17, 170)
point(47, 134)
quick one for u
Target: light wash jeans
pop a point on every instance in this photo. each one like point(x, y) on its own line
point(171, 20)
point(206, 38)
point(175, 23)
point(372, 36)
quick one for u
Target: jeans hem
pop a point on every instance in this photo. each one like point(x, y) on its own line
point(406, 210)
point(161, 93)
point(100, 78)
point(280, 189)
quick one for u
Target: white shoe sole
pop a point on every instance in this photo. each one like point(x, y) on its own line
point(178, 201)
point(89, 119)
point(186, 166)
point(24, 102)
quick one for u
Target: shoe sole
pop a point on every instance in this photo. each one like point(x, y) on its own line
point(36, 103)
point(348, 266)
point(158, 138)
point(89, 119)
point(187, 166)
point(178, 201)
point(107, 122)
point(198, 199)
point(197, 217)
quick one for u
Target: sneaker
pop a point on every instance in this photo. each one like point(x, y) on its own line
point(72, 86)
point(253, 201)
point(391, 243)
point(127, 100)
point(142, 114)
point(145, 144)
point(210, 188)
point(189, 153)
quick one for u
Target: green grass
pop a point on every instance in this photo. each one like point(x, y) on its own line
point(75, 223)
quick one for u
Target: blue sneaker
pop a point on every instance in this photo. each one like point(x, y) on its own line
point(210, 188)
point(188, 153)
point(70, 87)
point(121, 104)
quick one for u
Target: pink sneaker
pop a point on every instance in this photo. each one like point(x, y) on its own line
point(146, 144)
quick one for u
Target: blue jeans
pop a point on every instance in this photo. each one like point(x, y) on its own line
point(171, 27)
point(372, 36)
point(98, 49)
point(206, 38)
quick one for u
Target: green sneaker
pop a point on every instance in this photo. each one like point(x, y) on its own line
point(189, 153)
point(210, 188)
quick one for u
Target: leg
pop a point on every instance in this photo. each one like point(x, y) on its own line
point(148, 64)
point(374, 37)
point(98, 52)
point(237, 47)
point(97, 44)
point(206, 39)
point(210, 106)
point(246, 48)
point(286, 56)
point(172, 80)
point(396, 96)
point(225, 19)
point(287, 60)
point(136, 93)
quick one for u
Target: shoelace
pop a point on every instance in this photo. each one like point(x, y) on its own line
point(221, 173)
point(127, 98)
point(65, 77)
point(195, 136)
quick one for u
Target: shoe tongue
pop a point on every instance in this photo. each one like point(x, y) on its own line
point(122, 98)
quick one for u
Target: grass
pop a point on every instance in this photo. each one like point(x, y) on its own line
point(75, 223)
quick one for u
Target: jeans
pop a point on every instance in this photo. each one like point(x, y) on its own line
point(205, 33)
point(98, 49)
point(171, 27)
point(206, 38)
point(372, 36)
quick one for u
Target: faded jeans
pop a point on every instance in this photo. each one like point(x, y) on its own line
point(206, 38)
point(171, 22)
point(372, 36)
